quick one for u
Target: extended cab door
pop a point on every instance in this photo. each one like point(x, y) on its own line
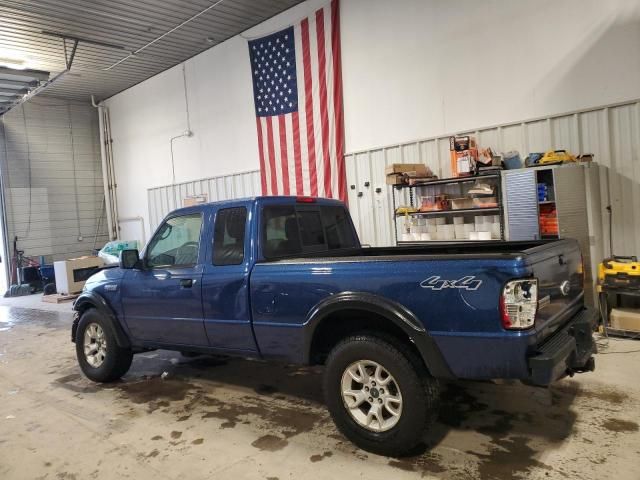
point(162, 303)
point(225, 282)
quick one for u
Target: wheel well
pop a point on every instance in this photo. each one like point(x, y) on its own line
point(339, 325)
point(121, 336)
point(84, 306)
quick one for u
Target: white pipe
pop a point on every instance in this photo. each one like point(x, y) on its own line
point(168, 32)
point(103, 157)
point(112, 173)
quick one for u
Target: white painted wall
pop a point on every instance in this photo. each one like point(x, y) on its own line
point(415, 68)
point(411, 69)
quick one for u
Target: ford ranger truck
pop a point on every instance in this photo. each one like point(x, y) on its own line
point(285, 278)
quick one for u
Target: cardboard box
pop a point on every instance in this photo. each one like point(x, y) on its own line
point(72, 274)
point(194, 200)
point(395, 179)
point(463, 163)
point(625, 319)
point(415, 169)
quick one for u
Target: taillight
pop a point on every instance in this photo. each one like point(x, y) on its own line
point(305, 200)
point(519, 303)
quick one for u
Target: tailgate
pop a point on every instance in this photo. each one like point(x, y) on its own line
point(558, 268)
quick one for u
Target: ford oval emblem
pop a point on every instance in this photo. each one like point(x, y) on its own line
point(565, 287)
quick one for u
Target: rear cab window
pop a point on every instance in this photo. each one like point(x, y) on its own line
point(228, 236)
point(289, 230)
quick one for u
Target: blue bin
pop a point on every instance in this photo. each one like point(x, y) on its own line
point(48, 274)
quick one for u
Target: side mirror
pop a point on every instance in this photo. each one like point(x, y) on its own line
point(129, 259)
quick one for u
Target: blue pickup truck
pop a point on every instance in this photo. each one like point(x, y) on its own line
point(286, 278)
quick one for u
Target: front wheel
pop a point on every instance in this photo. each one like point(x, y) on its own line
point(379, 396)
point(99, 356)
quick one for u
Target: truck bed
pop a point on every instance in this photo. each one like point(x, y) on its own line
point(490, 249)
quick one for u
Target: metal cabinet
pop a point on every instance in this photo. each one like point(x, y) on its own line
point(520, 204)
point(566, 194)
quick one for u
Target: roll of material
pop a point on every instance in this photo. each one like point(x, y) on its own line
point(406, 237)
point(440, 220)
point(425, 237)
point(458, 220)
point(473, 235)
point(484, 235)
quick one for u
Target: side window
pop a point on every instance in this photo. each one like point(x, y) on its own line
point(176, 243)
point(337, 227)
point(280, 233)
point(228, 236)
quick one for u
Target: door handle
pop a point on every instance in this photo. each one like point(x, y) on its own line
point(186, 282)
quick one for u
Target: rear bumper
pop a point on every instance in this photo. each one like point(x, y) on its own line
point(566, 352)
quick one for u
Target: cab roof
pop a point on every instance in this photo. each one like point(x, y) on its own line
point(262, 199)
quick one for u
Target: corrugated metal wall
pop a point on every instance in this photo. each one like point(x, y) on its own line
point(611, 133)
point(52, 178)
point(164, 199)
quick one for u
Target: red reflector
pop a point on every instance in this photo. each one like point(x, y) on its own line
point(504, 315)
point(305, 200)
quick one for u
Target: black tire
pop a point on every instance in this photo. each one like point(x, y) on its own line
point(420, 393)
point(117, 360)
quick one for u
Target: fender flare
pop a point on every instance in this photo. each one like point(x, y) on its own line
point(88, 300)
point(394, 312)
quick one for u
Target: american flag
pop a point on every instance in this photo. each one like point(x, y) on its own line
point(297, 90)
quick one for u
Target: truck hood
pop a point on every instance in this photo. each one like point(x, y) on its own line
point(109, 274)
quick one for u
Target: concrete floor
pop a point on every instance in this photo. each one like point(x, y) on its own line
point(221, 418)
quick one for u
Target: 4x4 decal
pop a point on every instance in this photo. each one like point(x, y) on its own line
point(437, 283)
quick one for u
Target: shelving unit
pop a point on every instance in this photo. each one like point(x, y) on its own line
point(458, 211)
point(450, 186)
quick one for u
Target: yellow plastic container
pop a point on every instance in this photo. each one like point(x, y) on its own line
point(556, 156)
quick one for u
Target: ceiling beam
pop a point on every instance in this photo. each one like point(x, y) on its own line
point(64, 36)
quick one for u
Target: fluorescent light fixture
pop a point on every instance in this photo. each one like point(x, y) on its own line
point(12, 63)
point(11, 59)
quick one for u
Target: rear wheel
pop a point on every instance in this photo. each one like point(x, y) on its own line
point(379, 394)
point(99, 356)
